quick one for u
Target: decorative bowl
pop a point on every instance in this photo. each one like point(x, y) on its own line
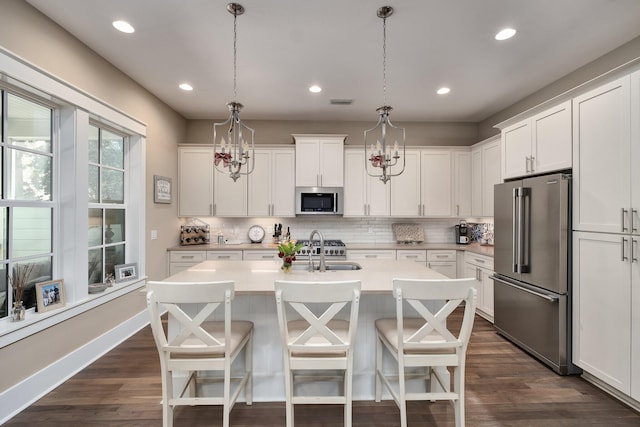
point(95, 288)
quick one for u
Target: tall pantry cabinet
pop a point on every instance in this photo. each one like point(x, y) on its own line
point(606, 321)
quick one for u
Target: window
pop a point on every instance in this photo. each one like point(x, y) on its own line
point(26, 202)
point(107, 209)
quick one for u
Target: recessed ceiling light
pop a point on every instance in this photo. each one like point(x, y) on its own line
point(185, 86)
point(315, 89)
point(123, 26)
point(505, 34)
point(443, 91)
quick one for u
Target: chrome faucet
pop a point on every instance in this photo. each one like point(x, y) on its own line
point(323, 266)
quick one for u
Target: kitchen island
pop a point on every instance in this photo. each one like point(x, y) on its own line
point(255, 301)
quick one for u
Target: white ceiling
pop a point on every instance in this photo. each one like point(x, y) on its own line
point(284, 46)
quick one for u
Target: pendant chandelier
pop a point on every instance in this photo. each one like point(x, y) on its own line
point(234, 147)
point(384, 144)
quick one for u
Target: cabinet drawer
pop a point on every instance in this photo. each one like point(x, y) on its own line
point(479, 260)
point(375, 254)
point(411, 255)
point(222, 255)
point(188, 256)
point(441, 255)
point(260, 255)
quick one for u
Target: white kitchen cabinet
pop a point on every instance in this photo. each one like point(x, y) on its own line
point(181, 260)
point(319, 160)
point(602, 304)
point(480, 267)
point(224, 255)
point(416, 255)
point(436, 183)
point(355, 254)
point(405, 188)
point(271, 186)
point(229, 196)
point(195, 181)
point(425, 188)
point(602, 179)
point(260, 254)
point(462, 183)
point(443, 261)
point(363, 195)
point(541, 143)
point(486, 172)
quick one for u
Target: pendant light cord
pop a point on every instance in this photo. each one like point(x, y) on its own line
point(235, 54)
point(384, 60)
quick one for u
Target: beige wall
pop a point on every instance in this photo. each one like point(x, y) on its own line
point(33, 37)
point(279, 131)
point(616, 58)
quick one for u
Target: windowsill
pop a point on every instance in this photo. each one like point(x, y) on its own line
point(11, 332)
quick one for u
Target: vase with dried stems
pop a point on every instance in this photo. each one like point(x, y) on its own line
point(18, 281)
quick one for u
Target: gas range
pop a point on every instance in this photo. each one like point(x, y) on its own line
point(333, 249)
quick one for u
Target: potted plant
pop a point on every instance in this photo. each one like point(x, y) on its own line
point(287, 251)
point(18, 281)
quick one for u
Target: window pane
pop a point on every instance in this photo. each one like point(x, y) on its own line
point(112, 150)
point(29, 176)
point(115, 226)
point(28, 124)
point(94, 144)
point(112, 186)
point(94, 184)
point(95, 227)
point(95, 266)
point(4, 295)
point(114, 255)
point(31, 231)
point(4, 214)
point(40, 272)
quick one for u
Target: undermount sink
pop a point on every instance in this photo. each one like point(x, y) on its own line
point(330, 266)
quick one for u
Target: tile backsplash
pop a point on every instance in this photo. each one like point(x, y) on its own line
point(349, 230)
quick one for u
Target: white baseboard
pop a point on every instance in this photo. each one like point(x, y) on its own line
point(627, 400)
point(28, 391)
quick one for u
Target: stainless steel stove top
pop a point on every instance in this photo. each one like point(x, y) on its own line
point(334, 249)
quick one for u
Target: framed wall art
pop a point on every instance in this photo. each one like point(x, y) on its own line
point(126, 272)
point(161, 189)
point(50, 295)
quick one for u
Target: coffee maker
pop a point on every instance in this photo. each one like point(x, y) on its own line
point(462, 233)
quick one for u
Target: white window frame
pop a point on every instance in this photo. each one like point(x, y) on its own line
point(75, 110)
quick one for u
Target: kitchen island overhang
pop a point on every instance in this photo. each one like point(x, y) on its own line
point(255, 301)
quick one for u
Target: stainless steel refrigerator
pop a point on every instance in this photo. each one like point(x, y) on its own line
point(532, 262)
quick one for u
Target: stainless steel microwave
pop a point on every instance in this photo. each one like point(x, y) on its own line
point(319, 201)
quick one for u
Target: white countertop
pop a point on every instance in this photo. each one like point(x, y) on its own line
point(257, 277)
point(473, 247)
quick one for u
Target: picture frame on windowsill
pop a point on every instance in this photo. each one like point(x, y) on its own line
point(50, 295)
point(126, 272)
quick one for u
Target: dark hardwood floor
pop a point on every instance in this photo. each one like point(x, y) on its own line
point(505, 387)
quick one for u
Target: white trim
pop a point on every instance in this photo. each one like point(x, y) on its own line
point(25, 393)
point(23, 71)
point(617, 394)
point(11, 332)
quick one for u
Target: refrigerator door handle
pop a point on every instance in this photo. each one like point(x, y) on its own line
point(514, 231)
point(523, 245)
point(549, 298)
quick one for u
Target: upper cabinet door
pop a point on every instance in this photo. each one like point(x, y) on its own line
point(230, 197)
point(602, 166)
point(405, 188)
point(436, 182)
point(490, 174)
point(195, 181)
point(307, 162)
point(462, 183)
point(283, 183)
point(551, 139)
point(259, 200)
point(516, 150)
point(331, 155)
point(319, 160)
